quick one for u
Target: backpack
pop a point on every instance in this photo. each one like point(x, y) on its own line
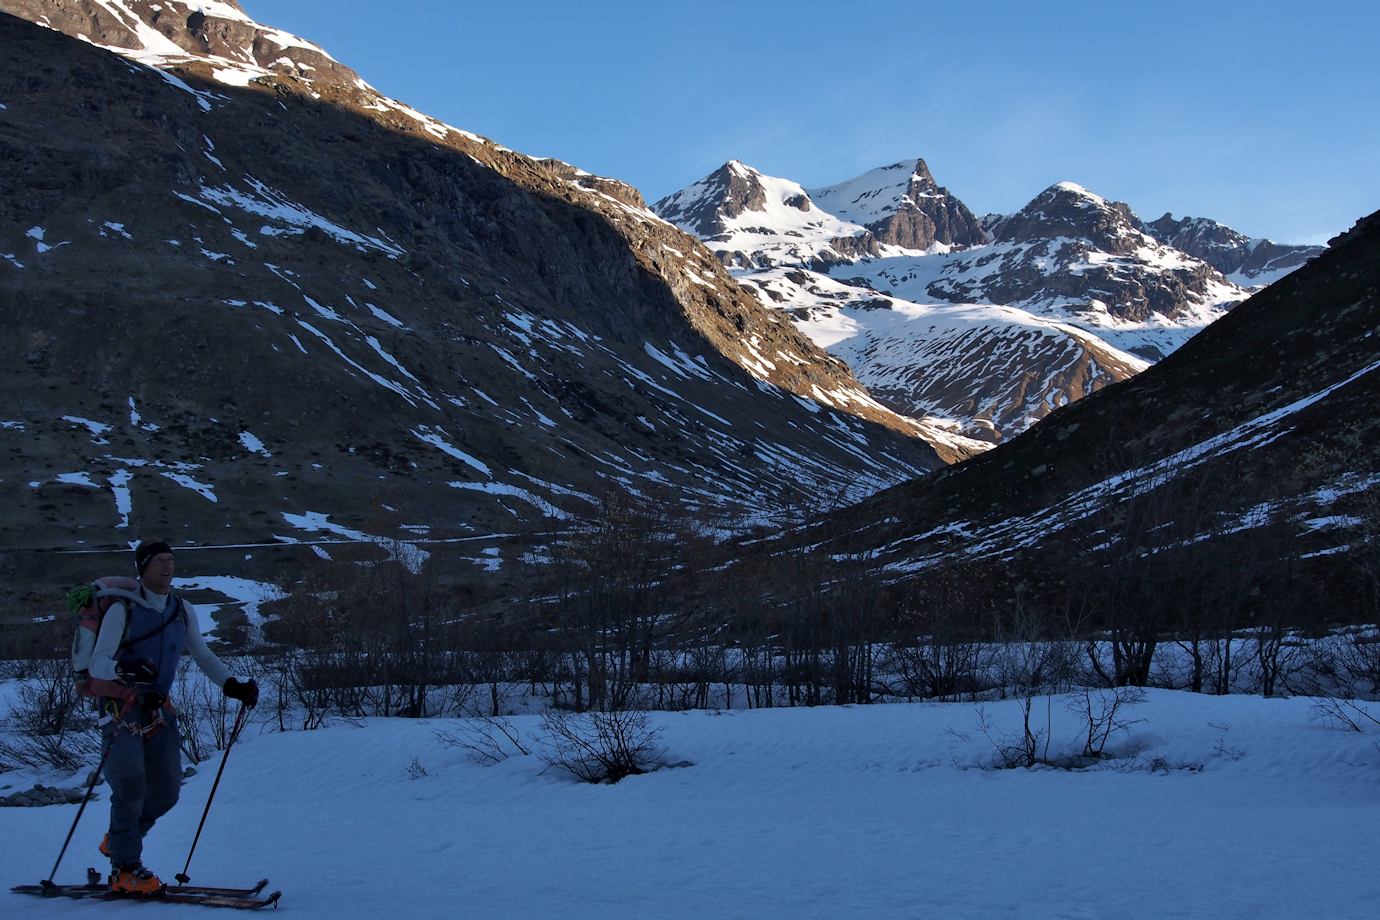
point(89, 604)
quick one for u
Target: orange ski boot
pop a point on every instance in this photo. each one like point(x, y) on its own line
point(135, 879)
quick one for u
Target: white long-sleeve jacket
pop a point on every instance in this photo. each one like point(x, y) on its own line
point(107, 652)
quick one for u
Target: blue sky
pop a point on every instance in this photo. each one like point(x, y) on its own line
point(1263, 115)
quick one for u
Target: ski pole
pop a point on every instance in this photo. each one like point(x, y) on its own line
point(182, 877)
point(90, 787)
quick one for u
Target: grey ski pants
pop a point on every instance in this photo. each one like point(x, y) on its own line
point(145, 777)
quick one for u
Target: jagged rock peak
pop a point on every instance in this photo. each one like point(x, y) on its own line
point(1252, 262)
point(878, 192)
point(903, 205)
point(1200, 230)
point(166, 32)
point(710, 206)
point(1067, 209)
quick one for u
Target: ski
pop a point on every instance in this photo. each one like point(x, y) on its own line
point(207, 896)
point(95, 888)
point(95, 880)
point(175, 896)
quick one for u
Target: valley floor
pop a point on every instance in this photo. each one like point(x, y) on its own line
point(1218, 808)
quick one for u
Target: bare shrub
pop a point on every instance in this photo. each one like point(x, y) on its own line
point(488, 739)
point(1358, 659)
point(600, 747)
point(205, 717)
point(1344, 671)
point(1012, 751)
point(947, 656)
point(50, 724)
point(1032, 662)
point(1344, 713)
point(365, 636)
point(1103, 715)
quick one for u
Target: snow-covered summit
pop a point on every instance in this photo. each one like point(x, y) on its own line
point(903, 205)
point(1069, 209)
point(888, 200)
point(877, 193)
point(1074, 188)
point(1075, 255)
point(751, 219)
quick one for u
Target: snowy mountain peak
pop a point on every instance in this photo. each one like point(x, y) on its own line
point(903, 205)
point(706, 207)
point(1067, 209)
point(751, 219)
point(877, 193)
point(741, 169)
point(1073, 188)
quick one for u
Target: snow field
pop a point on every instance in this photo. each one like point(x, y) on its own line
point(1233, 807)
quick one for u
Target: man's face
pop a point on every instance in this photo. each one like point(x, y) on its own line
point(158, 574)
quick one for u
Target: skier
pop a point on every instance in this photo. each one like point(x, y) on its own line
point(135, 660)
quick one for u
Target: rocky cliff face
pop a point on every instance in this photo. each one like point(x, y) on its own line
point(1251, 263)
point(903, 206)
point(255, 307)
point(1072, 248)
point(168, 31)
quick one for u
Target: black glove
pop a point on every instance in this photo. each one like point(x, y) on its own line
point(152, 700)
point(246, 691)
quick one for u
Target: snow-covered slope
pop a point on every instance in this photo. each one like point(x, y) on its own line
point(993, 369)
point(1213, 807)
point(165, 33)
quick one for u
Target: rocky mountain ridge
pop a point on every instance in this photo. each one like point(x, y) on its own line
point(167, 32)
point(325, 315)
point(1106, 295)
point(1072, 254)
point(1249, 262)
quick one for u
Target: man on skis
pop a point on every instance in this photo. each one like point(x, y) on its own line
point(136, 655)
